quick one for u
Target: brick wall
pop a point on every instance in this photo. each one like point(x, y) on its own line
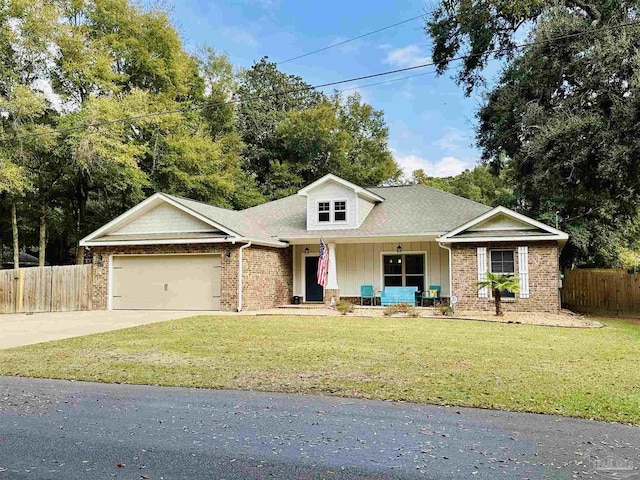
point(543, 277)
point(267, 279)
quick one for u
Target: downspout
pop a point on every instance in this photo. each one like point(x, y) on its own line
point(450, 268)
point(240, 274)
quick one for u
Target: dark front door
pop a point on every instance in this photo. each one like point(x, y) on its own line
point(313, 291)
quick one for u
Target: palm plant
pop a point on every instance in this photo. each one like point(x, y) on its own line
point(497, 283)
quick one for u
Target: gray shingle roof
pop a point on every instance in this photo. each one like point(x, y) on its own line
point(407, 210)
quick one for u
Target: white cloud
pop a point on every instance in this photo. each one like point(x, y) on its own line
point(240, 36)
point(351, 89)
point(445, 167)
point(408, 56)
point(350, 47)
point(453, 140)
point(264, 4)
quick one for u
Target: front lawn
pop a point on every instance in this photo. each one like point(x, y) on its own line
point(592, 373)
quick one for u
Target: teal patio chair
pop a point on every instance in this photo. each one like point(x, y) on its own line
point(432, 294)
point(366, 291)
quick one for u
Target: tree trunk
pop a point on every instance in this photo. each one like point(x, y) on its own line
point(43, 236)
point(16, 243)
point(82, 212)
point(497, 298)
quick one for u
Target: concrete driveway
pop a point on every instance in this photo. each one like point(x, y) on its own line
point(18, 329)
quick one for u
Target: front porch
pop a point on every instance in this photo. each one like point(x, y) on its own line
point(377, 262)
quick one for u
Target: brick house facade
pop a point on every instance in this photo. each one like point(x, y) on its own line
point(408, 236)
point(267, 272)
point(543, 277)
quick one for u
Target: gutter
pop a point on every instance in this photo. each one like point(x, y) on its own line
point(450, 268)
point(240, 274)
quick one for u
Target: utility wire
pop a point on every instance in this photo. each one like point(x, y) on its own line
point(313, 87)
point(351, 39)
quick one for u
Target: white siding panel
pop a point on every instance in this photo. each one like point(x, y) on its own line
point(328, 192)
point(365, 206)
point(164, 218)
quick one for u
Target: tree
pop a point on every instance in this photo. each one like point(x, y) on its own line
point(566, 113)
point(269, 96)
point(563, 111)
point(478, 184)
point(480, 31)
point(13, 184)
point(498, 283)
point(345, 137)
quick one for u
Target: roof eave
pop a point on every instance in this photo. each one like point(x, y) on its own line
point(180, 241)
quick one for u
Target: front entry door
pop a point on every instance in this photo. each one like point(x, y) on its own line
point(313, 291)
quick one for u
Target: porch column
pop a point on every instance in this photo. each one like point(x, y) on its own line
point(332, 290)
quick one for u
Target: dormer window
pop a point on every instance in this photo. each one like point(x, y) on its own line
point(332, 211)
point(324, 212)
point(340, 211)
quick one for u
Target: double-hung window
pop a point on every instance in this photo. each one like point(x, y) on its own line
point(324, 212)
point(332, 211)
point(404, 271)
point(503, 261)
point(340, 211)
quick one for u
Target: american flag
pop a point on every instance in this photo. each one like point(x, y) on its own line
point(323, 263)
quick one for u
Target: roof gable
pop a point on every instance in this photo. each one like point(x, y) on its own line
point(362, 192)
point(163, 218)
point(157, 215)
point(502, 223)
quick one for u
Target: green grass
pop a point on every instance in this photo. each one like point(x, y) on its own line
point(591, 373)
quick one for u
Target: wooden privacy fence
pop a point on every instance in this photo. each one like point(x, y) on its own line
point(46, 289)
point(601, 291)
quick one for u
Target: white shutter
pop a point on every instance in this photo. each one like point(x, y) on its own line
point(523, 271)
point(482, 271)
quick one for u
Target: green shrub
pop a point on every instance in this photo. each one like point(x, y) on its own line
point(390, 310)
point(407, 308)
point(344, 307)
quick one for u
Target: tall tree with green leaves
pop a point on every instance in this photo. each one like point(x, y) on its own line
point(269, 96)
point(564, 111)
point(478, 184)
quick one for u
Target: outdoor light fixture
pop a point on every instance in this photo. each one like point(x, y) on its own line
point(100, 261)
point(399, 248)
point(227, 253)
point(306, 250)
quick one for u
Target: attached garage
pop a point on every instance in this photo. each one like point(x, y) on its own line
point(166, 282)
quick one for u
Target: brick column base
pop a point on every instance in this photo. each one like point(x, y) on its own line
point(328, 293)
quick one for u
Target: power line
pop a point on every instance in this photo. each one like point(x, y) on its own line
point(313, 87)
point(350, 39)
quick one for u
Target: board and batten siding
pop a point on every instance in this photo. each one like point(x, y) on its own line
point(360, 264)
point(163, 219)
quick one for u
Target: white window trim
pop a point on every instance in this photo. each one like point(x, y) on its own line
point(515, 271)
point(318, 221)
point(346, 211)
point(332, 211)
point(387, 254)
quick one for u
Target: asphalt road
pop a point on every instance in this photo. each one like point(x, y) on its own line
point(73, 430)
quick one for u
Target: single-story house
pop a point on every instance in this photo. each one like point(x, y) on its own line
point(174, 253)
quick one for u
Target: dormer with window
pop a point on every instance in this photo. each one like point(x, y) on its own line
point(334, 203)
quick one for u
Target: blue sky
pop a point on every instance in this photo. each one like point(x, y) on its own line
point(430, 120)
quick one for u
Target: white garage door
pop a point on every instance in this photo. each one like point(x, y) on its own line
point(167, 282)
